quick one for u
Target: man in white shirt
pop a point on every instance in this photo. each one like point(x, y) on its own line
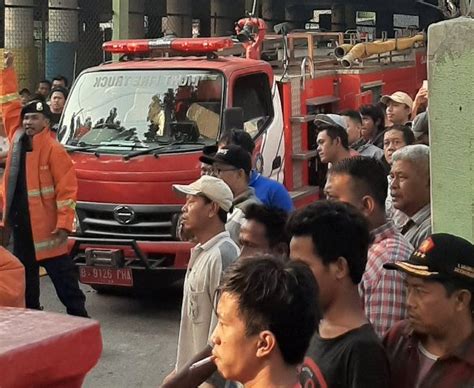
point(208, 200)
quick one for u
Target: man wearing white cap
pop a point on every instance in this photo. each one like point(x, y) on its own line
point(208, 200)
point(399, 106)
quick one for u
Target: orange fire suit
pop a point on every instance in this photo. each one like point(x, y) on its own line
point(50, 177)
point(12, 280)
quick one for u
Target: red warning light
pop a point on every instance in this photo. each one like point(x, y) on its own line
point(201, 45)
point(132, 46)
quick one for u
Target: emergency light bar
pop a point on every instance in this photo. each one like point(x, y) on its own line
point(185, 45)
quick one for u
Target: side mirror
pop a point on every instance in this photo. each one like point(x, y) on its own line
point(233, 118)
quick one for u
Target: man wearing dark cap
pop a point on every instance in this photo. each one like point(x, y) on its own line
point(233, 165)
point(434, 347)
point(421, 129)
point(39, 196)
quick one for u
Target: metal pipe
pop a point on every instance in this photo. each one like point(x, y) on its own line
point(306, 61)
point(342, 50)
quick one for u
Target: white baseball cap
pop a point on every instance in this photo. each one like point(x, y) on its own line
point(211, 187)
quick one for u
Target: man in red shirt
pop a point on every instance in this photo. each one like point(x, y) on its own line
point(434, 347)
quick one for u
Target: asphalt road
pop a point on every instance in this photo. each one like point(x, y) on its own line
point(139, 334)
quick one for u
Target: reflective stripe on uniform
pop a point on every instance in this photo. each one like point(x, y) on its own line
point(48, 244)
point(9, 98)
point(42, 191)
point(66, 203)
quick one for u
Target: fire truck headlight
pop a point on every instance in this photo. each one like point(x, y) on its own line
point(77, 225)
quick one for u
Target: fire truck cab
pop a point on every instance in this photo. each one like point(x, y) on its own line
point(137, 126)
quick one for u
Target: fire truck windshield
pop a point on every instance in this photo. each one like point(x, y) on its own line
point(121, 110)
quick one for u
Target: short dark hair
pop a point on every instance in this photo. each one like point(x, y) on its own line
point(60, 77)
point(278, 296)
point(274, 221)
point(353, 115)
point(238, 137)
point(408, 135)
point(336, 132)
point(375, 112)
point(369, 175)
point(337, 230)
point(24, 91)
point(45, 81)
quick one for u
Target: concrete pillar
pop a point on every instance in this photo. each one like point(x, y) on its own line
point(19, 40)
point(136, 22)
point(338, 17)
point(202, 12)
point(296, 14)
point(350, 17)
point(120, 19)
point(224, 14)
point(63, 33)
point(450, 77)
point(273, 12)
point(155, 10)
point(179, 18)
point(384, 22)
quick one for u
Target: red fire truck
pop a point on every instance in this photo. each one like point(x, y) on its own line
point(138, 125)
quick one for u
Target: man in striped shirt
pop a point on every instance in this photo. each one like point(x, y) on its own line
point(362, 183)
point(410, 190)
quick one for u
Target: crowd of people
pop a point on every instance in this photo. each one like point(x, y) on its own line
point(353, 290)
point(362, 310)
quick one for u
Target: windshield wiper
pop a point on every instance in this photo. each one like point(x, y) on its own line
point(88, 147)
point(160, 148)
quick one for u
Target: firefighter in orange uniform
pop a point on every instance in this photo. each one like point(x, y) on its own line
point(12, 280)
point(39, 196)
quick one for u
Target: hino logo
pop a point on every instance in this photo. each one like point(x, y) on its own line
point(124, 214)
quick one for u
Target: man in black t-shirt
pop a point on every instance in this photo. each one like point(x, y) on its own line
point(333, 239)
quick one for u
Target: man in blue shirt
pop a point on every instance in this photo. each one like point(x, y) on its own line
point(269, 191)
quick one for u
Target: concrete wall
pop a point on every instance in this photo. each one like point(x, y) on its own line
point(451, 99)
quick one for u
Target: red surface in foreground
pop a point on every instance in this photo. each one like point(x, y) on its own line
point(46, 349)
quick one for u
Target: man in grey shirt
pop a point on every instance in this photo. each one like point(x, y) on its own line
point(204, 215)
point(233, 165)
point(410, 189)
point(356, 141)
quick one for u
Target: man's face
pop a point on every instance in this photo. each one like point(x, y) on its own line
point(234, 351)
point(195, 213)
point(43, 89)
point(410, 186)
point(207, 169)
point(398, 113)
point(24, 98)
point(229, 174)
point(368, 129)
point(327, 147)
point(392, 140)
point(58, 83)
point(253, 239)
point(430, 309)
point(302, 249)
point(57, 102)
point(353, 130)
point(340, 187)
point(34, 123)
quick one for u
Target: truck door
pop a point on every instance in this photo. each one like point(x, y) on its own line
point(263, 120)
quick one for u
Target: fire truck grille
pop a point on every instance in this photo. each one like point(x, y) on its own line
point(140, 222)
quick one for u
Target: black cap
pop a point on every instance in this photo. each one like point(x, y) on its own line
point(441, 256)
point(232, 155)
point(36, 106)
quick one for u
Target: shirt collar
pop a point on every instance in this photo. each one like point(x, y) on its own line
point(422, 214)
point(465, 351)
point(212, 241)
point(254, 175)
point(384, 231)
point(244, 196)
